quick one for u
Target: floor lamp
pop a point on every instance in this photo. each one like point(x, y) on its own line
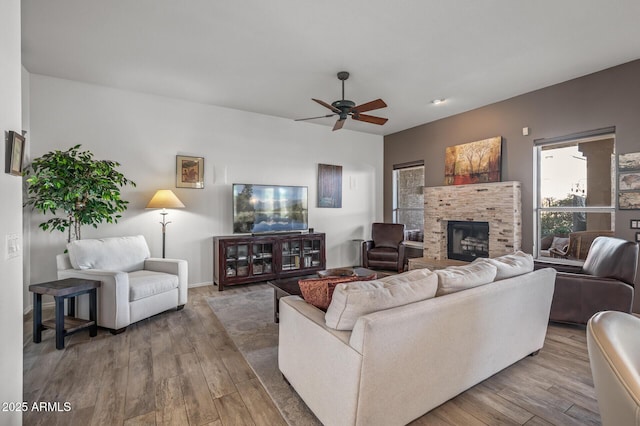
point(164, 199)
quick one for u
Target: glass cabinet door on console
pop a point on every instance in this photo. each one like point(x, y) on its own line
point(312, 249)
point(262, 258)
point(237, 260)
point(291, 254)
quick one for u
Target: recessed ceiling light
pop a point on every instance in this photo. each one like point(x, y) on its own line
point(437, 101)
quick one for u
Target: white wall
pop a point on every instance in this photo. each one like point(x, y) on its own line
point(10, 215)
point(144, 133)
point(26, 229)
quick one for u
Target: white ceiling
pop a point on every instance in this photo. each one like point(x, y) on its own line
point(272, 57)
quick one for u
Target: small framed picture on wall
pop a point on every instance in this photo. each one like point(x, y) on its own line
point(637, 237)
point(189, 172)
point(635, 224)
point(14, 154)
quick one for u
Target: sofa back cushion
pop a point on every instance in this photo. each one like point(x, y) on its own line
point(457, 278)
point(352, 300)
point(125, 254)
point(510, 265)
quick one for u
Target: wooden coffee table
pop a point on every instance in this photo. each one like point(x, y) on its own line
point(289, 286)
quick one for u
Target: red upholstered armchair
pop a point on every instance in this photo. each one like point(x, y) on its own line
point(385, 249)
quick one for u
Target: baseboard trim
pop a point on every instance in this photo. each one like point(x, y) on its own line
point(29, 309)
point(194, 285)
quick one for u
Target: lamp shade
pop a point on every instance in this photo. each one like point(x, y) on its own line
point(165, 199)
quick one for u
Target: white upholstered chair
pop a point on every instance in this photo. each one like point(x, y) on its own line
point(134, 285)
point(613, 340)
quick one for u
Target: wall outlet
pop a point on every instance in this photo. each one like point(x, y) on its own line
point(13, 246)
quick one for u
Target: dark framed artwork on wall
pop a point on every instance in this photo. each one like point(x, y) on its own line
point(329, 186)
point(14, 154)
point(189, 172)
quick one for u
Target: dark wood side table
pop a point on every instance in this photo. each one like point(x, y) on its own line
point(67, 288)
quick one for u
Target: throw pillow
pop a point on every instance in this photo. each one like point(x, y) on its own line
point(353, 300)
point(510, 265)
point(319, 291)
point(457, 278)
point(560, 243)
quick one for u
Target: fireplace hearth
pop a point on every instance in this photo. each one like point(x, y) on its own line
point(467, 240)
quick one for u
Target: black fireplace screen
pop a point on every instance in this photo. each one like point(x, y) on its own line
point(467, 240)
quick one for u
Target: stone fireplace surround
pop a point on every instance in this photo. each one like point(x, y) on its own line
point(498, 203)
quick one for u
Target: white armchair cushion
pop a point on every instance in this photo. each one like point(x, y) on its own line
point(111, 254)
point(148, 283)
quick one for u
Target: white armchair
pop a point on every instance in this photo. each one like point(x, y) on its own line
point(134, 285)
point(613, 344)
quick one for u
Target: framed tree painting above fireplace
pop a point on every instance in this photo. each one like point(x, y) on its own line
point(474, 162)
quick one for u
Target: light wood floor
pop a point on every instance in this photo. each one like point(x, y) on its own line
point(181, 368)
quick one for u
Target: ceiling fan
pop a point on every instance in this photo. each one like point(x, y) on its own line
point(344, 108)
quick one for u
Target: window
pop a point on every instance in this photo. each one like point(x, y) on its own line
point(408, 198)
point(575, 193)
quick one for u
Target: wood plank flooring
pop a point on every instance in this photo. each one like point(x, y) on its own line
point(181, 368)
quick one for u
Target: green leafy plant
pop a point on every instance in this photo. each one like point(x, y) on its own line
point(86, 190)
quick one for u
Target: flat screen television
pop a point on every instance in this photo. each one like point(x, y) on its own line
point(269, 208)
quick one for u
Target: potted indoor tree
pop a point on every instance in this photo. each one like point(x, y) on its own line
point(86, 191)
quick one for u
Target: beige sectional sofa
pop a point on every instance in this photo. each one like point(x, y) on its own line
point(397, 364)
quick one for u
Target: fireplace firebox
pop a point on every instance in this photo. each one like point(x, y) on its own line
point(467, 240)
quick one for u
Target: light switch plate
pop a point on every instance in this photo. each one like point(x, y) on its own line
point(12, 246)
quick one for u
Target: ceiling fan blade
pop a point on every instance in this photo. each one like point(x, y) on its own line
point(326, 105)
point(313, 118)
point(370, 119)
point(369, 106)
point(339, 124)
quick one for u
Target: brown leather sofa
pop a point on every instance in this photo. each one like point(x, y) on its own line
point(605, 282)
point(385, 249)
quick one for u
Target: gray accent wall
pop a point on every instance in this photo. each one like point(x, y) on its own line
point(607, 98)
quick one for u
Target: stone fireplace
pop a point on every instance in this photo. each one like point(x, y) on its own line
point(498, 204)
